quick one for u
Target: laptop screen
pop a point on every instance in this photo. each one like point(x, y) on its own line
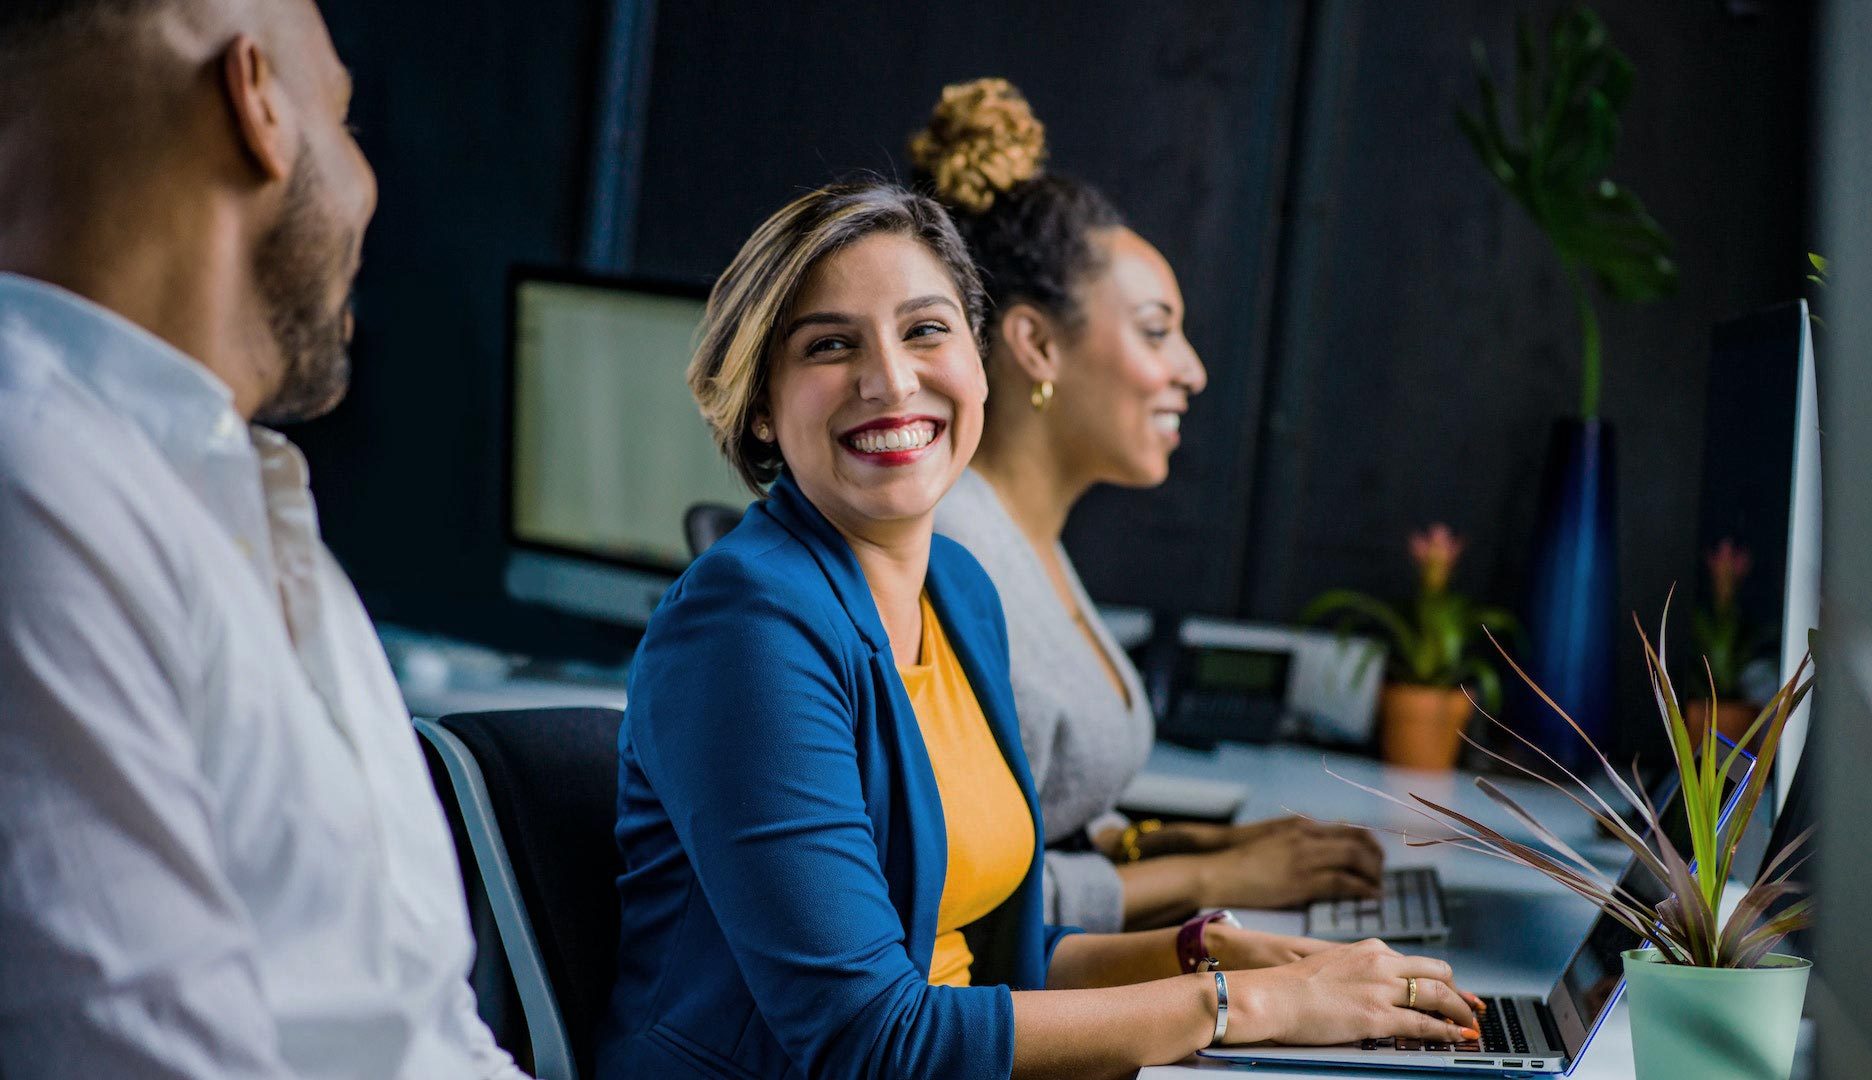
point(1591, 981)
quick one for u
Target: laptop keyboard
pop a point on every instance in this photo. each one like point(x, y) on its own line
point(1501, 1034)
point(1411, 906)
point(1501, 1028)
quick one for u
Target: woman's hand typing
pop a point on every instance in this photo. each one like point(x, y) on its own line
point(1288, 863)
point(1348, 993)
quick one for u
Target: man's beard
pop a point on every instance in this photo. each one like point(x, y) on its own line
point(295, 265)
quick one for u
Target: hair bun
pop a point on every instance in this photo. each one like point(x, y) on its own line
point(982, 139)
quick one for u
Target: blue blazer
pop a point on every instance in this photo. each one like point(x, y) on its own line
point(782, 833)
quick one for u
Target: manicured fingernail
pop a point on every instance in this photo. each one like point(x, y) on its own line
point(1470, 1034)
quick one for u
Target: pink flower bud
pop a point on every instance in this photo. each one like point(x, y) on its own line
point(1435, 551)
point(1728, 564)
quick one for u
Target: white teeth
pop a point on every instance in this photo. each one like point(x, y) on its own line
point(1167, 422)
point(911, 437)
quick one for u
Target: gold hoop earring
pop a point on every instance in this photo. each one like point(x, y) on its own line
point(1042, 395)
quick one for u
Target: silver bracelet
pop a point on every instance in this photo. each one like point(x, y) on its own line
point(1221, 1027)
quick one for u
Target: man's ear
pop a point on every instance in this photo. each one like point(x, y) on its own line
point(1033, 341)
point(258, 104)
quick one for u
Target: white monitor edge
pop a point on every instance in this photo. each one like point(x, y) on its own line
point(1801, 603)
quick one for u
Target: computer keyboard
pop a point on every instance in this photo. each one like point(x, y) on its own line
point(1410, 908)
point(1501, 1028)
point(1402, 1043)
point(1501, 1034)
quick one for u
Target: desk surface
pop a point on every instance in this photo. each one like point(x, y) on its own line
point(1512, 930)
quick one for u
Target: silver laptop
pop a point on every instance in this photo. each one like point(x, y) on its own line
point(1520, 1033)
point(1409, 908)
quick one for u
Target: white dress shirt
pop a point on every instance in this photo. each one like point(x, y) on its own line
point(220, 852)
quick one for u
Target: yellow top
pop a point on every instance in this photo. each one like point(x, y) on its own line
point(990, 828)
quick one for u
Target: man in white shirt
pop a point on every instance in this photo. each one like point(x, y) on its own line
point(220, 853)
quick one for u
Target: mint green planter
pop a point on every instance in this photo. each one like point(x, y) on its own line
point(1690, 1023)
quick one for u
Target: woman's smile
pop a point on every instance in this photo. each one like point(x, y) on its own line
point(892, 441)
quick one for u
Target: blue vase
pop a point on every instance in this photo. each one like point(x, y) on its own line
point(1572, 606)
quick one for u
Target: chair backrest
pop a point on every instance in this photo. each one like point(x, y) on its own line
point(549, 778)
point(704, 523)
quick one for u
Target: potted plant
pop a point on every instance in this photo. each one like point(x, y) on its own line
point(1703, 975)
point(1726, 644)
point(1423, 709)
point(1551, 154)
point(1818, 277)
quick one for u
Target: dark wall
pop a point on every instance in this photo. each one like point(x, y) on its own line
point(476, 117)
point(1428, 337)
point(1387, 337)
point(1180, 112)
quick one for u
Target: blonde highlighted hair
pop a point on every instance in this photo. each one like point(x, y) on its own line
point(740, 329)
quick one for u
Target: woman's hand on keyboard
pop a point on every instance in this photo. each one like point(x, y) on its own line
point(1346, 994)
point(1289, 862)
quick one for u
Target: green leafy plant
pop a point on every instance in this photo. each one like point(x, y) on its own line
point(1685, 926)
point(1726, 642)
point(1565, 116)
point(1432, 640)
point(1818, 264)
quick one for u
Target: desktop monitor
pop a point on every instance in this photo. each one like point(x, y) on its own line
point(1761, 489)
point(605, 446)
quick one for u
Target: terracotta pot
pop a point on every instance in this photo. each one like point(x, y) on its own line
point(1420, 727)
point(1732, 718)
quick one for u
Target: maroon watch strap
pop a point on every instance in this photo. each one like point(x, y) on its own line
point(1189, 942)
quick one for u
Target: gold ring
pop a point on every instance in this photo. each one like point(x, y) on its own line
point(1410, 993)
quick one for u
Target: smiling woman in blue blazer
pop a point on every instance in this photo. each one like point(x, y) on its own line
point(827, 824)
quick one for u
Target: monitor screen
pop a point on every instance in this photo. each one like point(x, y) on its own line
point(608, 449)
point(1260, 672)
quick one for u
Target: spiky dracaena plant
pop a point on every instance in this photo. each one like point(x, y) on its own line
point(1685, 927)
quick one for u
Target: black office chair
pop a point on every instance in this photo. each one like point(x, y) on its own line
point(704, 523)
point(537, 794)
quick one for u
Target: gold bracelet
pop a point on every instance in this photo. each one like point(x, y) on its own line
point(1128, 842)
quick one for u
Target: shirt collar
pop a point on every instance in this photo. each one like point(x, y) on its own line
point(173, 399)
point(787, 504)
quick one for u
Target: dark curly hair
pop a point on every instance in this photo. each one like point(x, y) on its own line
point(1029, 230)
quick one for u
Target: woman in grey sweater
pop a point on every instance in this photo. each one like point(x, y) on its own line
point(1090, 375)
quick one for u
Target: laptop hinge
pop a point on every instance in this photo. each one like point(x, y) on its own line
point(1552, 1030)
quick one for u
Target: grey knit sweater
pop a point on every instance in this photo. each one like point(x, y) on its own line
point(1084, 743)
